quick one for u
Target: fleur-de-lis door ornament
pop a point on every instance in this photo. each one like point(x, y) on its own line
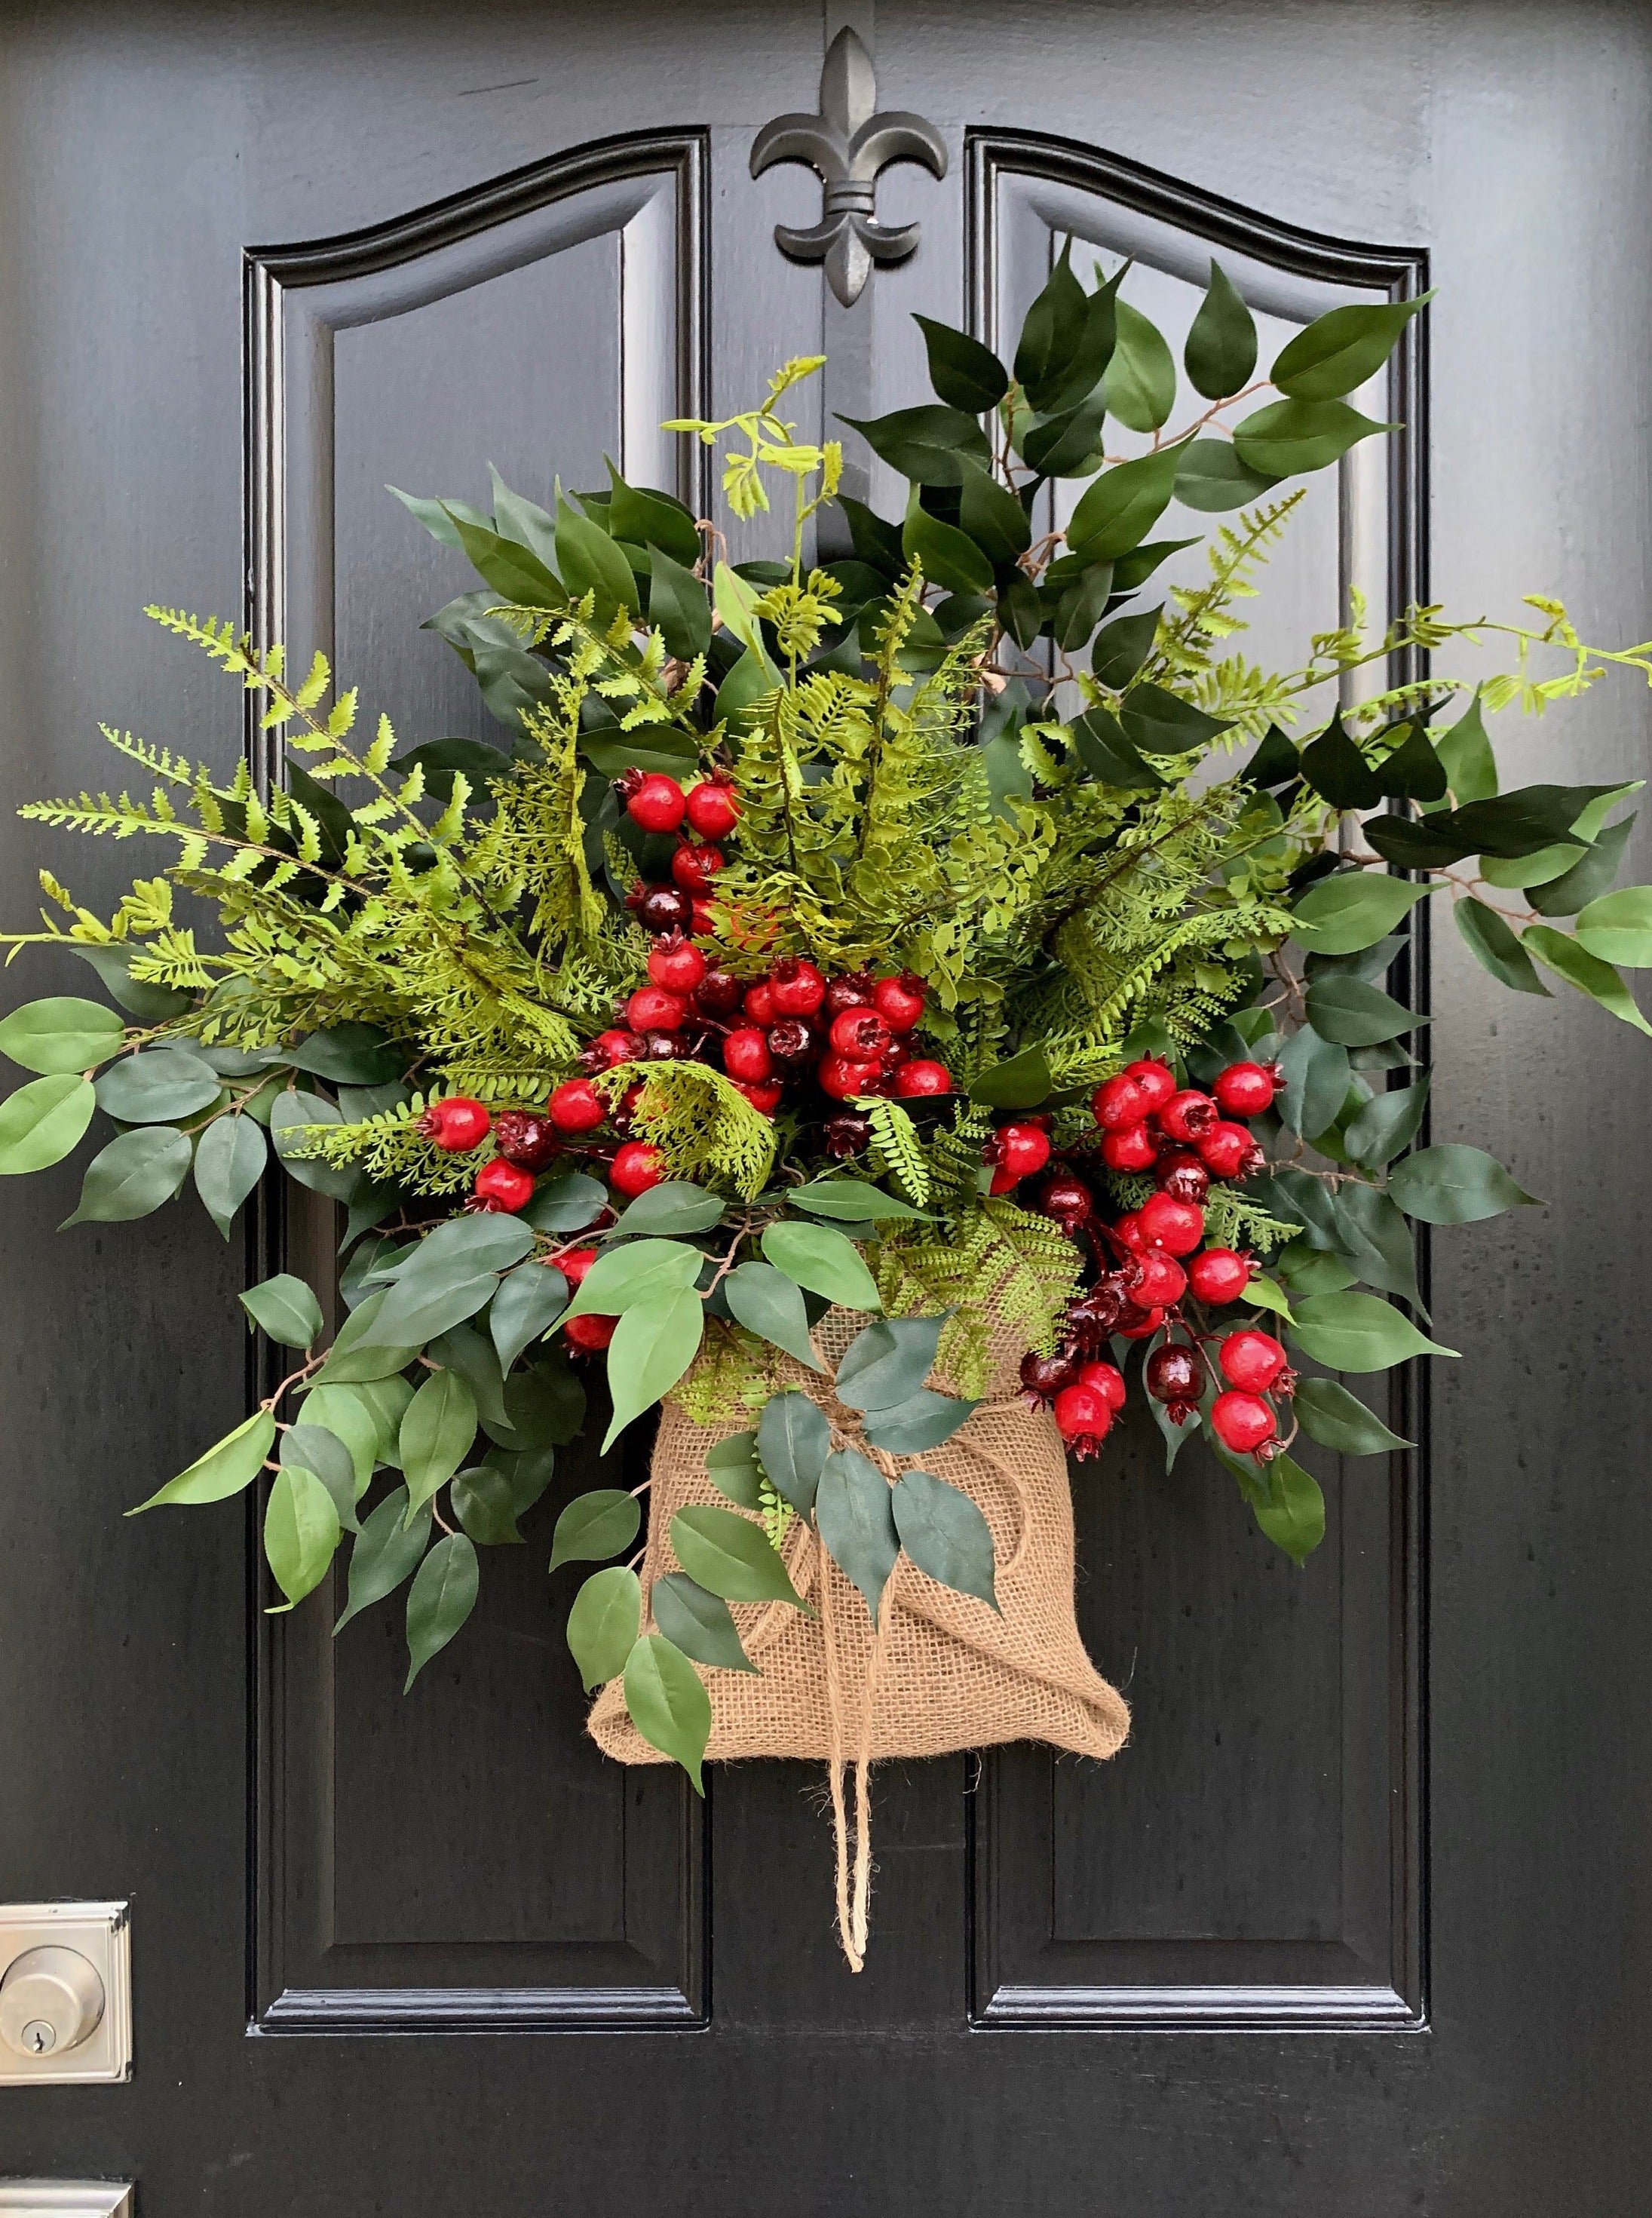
point(847, 144)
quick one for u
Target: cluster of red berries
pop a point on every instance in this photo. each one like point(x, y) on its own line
point(1149, 1261)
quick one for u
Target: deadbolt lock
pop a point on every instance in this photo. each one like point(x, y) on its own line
point(51, 2000)
point(66, 2006)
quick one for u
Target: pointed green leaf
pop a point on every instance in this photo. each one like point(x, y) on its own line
point(1338, 350)
point(63, 1035)
point(484, 1502)
point(1141, 380)
point(771, 1305)
point(853, 1201)
point(855, 1517)
point(1213, 477)
point(1122, 506)
point(1340, 1420)
point(226, 1469)
point(819, 1259)
point(923, 1421)
point(134, 1174)
point(342, 1411)
point(386, 1550)
point(645, 1270)
point(1355, 1013)
point(604, 1624)
point(230, 1156)
point(1577, 966)
point(437, 1433)
point(1351, 910)
point(672, 1207)
point(886, 1363)
point(1455, 1185)
point(732, 1468)
point(1288, 437)
point(668, 1705)
point(1358, 1332)
point(529, 1300)
point(965, 375)
point(591, 563)
point(730, 1556)
point(653, 1347)
point(648, 518)
point(1220, 353)
point(1495, 947)
point(1387, 1125)
point(286, 1310)
point(793, 1439)
point(700, 1624)
point(313, 1448)
point(441, 1598)
point(300, 1532)
point(604, 1522)
point(945, 1533)
point(43, 1121)
point(1315, 1072)
point(1618, 927)
point(354, 1356)
point(946, 555)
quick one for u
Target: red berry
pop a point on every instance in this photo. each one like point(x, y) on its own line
point(1018, 1150)
point(575, 1262)
point(655, 802)
point(854, 990)
point(1128, 1229)
point(676, 964)
point(1129, 1148)
point(653, 1009)
point(704, 925)
point(847, 1133)
point(638, 1166)
point(1003, 1181)
point(1246, 1089)
point(1185, 1116)
point(1121, 1101)
point(1242, 1423)
point(920, 1080)
point(899, 1001)
point(577, 1106)
point(1177, 1226)
point(501, 1186)
point(1182, 1175)
point(1252, 1360)
point(764, 1096)
point(1155, 1079)
point(760, 1004)
point(719, 994)
point(795, 987)
point(861, 1033)
point(1068, 1200)
point(746, 1056)
point(616, 1047)
point(1135, 1324)
point(522, 1137)
point(1218, 1275)
point(663, 908)
point(846, 1081)
point(694, 868)
point(712, 807)
point(1083, 1418)
point(589, 1333)
point(1159, 1280)
point(1043, 1377)
point(456, 1125)
point(1109, 1382)
point(1175, 1375)
point(1228, 1151)
point(792, 1042)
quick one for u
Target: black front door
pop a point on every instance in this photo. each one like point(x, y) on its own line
point(1352, 1928)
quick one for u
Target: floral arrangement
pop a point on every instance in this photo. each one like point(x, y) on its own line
point(949, 933)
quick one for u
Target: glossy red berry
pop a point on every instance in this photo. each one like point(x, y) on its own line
point(501, 1186)
point(860, 1033)
point(1182, 1174)
point(664, 909)
point(588, 1333)
point(719, 994)
point(746, 1056)
point(677, 964)
point(713, 808)
point(845, 1080)
point(1043, 1376)
point(763, 1094)
point(1109, 1382)
point(795, 987)
point(1175, 1376)
point(694, 868)
point(1129, 1148)
point(1153, 1079)
point(653, 1009)
point(655, 802)
point(1018, 1150)
point(921, 1079)
point(854, 990)
point(638, 1166)
point(577, 1106)
point(705, 922)
point(1068, 1200)
point(1136, 1324)
point(1228, 1151)
point(1176, 1226)
point(1246, 1089)
point(1252, 1360)
point(1159, 1279)
point(847, 1133)
point(1185, 1115)
point(1128, 1229)
point(1243, 1422)
point(1083, 1418)
point(1218, 1275)
point(522, 1137)
point(1120, 1102)
point(1092, 1316)
point(574, 1262)
point(759, 1004)
point(456, 1124)
point(792, 1042)
point(616, 1046)
point(666, 1047)
point(899, 1001)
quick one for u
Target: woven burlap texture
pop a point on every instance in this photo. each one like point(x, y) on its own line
point(943, 1671)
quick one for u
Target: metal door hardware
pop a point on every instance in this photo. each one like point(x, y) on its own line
point(65, 2001)
point(66, 2198)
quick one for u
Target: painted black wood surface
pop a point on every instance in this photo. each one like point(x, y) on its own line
point(1353, 1927)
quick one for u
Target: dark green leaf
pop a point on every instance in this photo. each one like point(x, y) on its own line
point(1387, 1125)
point(230, 1159)
point(793, 1440)
point(567, 1203)
point(1081, 607)
point(928, 445)
point(513, 573)
point(291, 1114)
point(1341, 349)
point(1353, 910)
point(766, 1302)
point(886, 1363)
point(1465, 750)
point(1122, 506)
point(62, 1035)
point(1334, 767)
point(1411, 846)
point(732, 1468)
point(355, 1354)
point(855, 1517)
point(1378, 1241)
point(730, 1556)
point(150, 1003)
point(529, 1300)
point(1052, 332)
point(485, 1503)
point(523, 520)
point(1496, 946)
point(591, 563)
point(672, 1207)
point(1340, 1420)
point(1588, 881)
point(285, 1308)
point(226, 1468)
point(1022, 1082)
point(1220, 352)
point(1520, 822)
point(945, 1534)
point(1358, 1332)
point(1212, 477)
point(654, 1345)
point(1290, 1507)
point(1413, 771)
point(1067, 444)
point(964, 374)
point(1141, 380)
point(135, 1174)
point(1356, 1013)
point(668, 1705)
point(441, 1598)
point(602, 1523)
point(348, 1054)
point(312, 1447)
point(992, 516)
point(679, 607)
point(157, 1085)
point(1276, 762)
point(1315, 1072)
point(1455, 1185)
point(440, 518)
point(698, 1623)
point(604, 1624)
point(645, 1271)
point(1122, 648)
point(385, 1554)
point(946, 555)
point(921, 1422)
point(1161, 723)
point(648, 518)
point(437, 1432)
point(1288, 437)
point(544, 1403)
point(851, 1200)
point(875, 543)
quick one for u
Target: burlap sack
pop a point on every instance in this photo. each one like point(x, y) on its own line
point(943, 1671)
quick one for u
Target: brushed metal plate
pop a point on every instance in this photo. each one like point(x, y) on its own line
point(102, 1932)
point(66, 2198)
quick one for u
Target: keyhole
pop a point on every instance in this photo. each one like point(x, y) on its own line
point(38, 2037)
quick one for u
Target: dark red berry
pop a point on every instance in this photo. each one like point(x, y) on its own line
point(653, 1009)
point(676, 964)
point(861, 1033)
point(1092, 1316)
point(1067, 1200)
point(847, 1133)
point(663, 908)
point(1174, 1377)
point(694, 868)
point(638, 1166)
point(1129, 1148)
point(616, 1046)
point(1243, 1422)
point(1177, 1226)
point(719, 993)
point(501, 1186)
point(1044, 1376)
point(1153, 1079)
point(792, 1042)
point(1228, 1151)
point(922, 1080)
point(1218, 1275)
point(746, 1056)
point(1185, 1115)
point(713, 808)
point(522, 1137)
point(899, 1001)
point(795, 987)
point(456, 1125)
point(666, 1047)
point(854, 990)
point(576, 1106)
point(1252, 1360)
point(1246, 1089)
point(1182, 1174)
